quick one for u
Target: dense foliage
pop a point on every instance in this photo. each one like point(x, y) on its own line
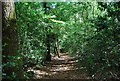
point(95, 40)
point(88, 31)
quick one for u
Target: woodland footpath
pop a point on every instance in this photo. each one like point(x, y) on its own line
point(61, 40)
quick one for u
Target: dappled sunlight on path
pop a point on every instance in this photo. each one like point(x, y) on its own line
point(59, 68)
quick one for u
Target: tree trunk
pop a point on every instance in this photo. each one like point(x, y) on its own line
point(10, 42)
point(48, 56)
point(56, 49)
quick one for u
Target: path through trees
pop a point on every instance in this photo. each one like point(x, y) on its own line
point(88, 31)
point(59, 68)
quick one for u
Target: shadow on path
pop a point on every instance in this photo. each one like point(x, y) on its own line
point(60, 68)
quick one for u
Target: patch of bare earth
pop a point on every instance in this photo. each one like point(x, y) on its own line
point(60, 68)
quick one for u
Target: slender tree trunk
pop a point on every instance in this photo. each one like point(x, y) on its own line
point(48, 56)
point(10, 42)
point(56, 49)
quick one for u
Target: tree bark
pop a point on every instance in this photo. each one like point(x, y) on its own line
point(48, 56)
point(56, 48)
point(10, 42)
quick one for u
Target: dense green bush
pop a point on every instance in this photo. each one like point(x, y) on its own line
point(96, 43)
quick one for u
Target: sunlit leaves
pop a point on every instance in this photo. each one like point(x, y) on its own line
point(87, 30)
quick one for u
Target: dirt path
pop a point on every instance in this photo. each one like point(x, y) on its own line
point(60, 68)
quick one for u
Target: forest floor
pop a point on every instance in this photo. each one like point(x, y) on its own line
point(60, 68)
